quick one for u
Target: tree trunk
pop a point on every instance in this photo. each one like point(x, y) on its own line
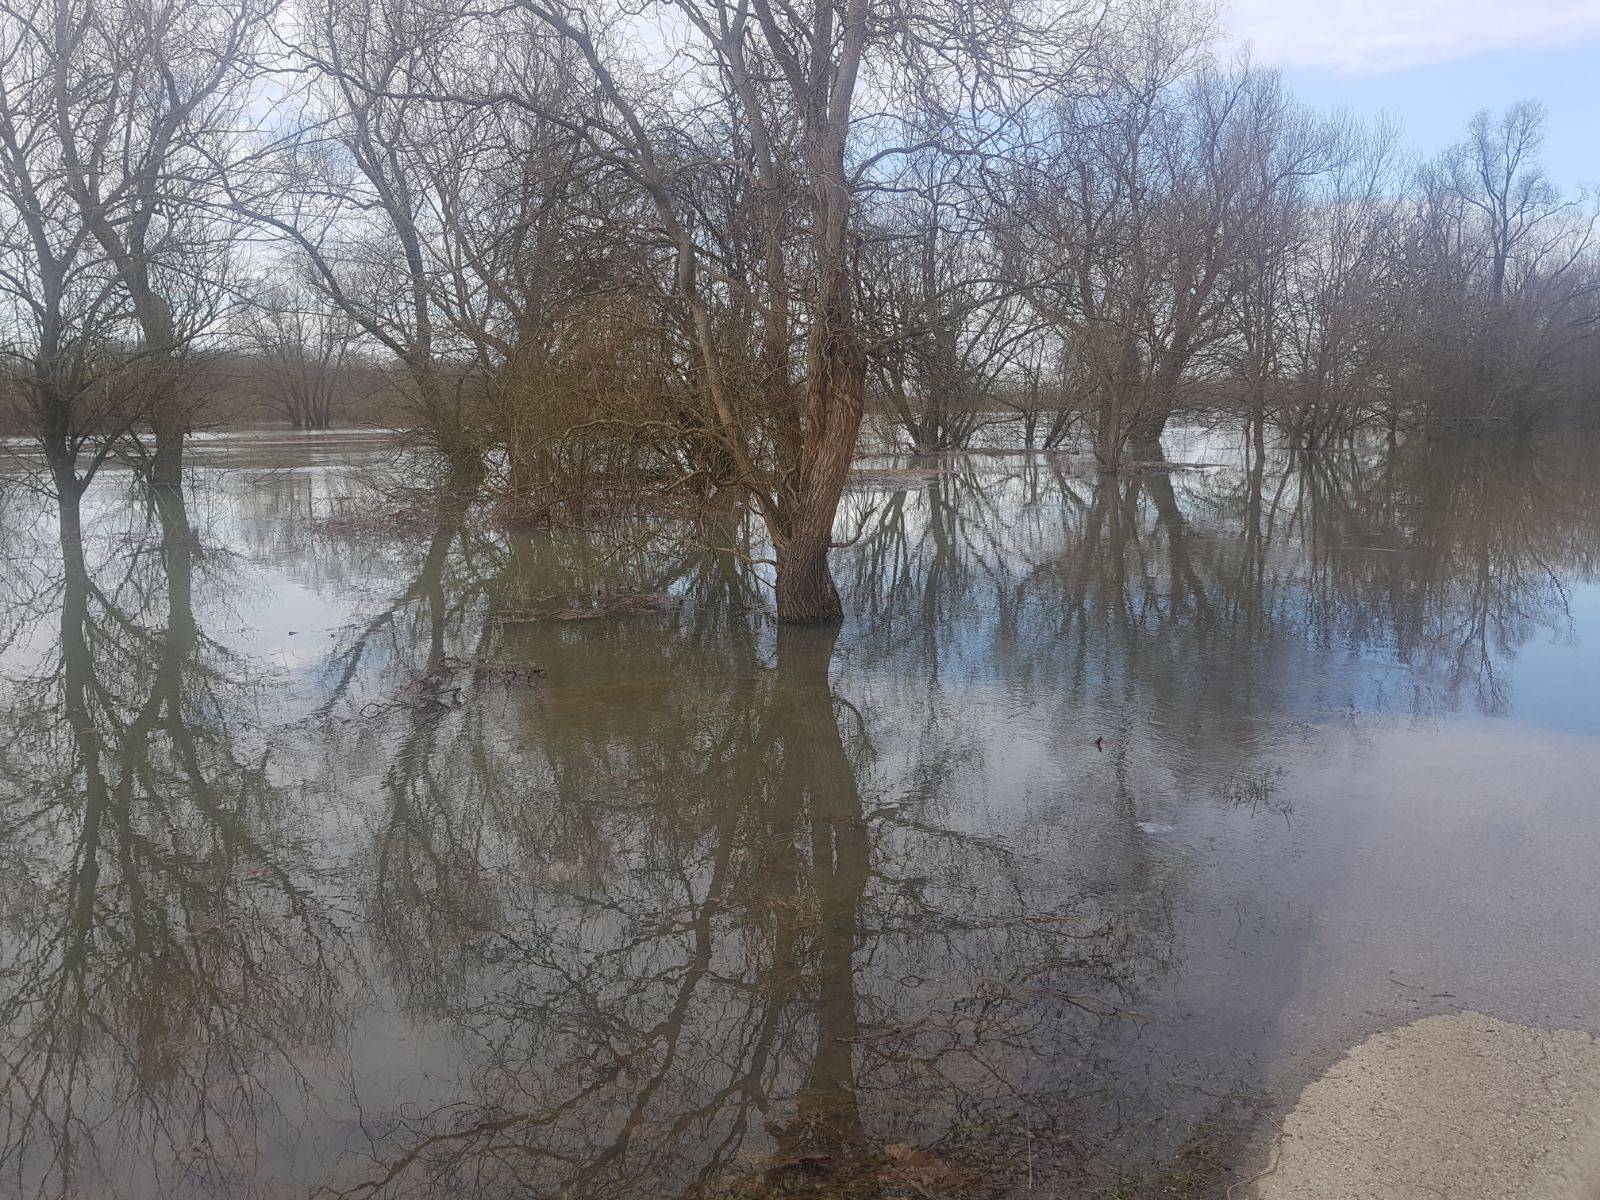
point(805, 588)
point(178, 646)
point(1108, 435)
point(1147, 430)
point(836, 390)
point(55, 435)
point(166, 465)
point(69, 512)
point(168, 421)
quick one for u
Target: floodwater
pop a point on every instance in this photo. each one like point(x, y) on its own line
point(339, 855)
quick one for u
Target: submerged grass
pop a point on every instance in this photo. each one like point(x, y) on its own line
point(896, 1172)
point(1204, 1166)
point(1207, 1164)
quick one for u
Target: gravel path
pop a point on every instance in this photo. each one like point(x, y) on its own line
point(1459, 1107)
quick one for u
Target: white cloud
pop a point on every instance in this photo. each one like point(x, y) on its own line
point(1388, 35)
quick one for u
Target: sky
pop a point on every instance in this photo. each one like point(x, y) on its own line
point(1433, 63)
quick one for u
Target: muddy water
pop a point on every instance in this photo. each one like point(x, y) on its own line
point(344, 851)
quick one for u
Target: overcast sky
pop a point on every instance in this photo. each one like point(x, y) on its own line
point(1433, 63)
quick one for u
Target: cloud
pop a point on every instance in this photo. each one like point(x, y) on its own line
point(1389, 35)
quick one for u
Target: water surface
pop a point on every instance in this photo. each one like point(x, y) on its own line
point(340, 855)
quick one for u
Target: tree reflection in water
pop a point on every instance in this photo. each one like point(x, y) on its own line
point(708, 901)
point(167, 960)
point(681, 939)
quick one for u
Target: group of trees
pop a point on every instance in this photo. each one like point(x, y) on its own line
point(691, 245)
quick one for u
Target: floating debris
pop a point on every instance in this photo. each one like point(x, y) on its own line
point(487, 668)
point(604, 605)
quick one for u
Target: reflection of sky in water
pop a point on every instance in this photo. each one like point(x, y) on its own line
point(1556, 674)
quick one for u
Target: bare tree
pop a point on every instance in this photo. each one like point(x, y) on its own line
point(65, 323)
point(1343, 317)
point(1495, 266)
point(777, 92)
point(306, 350)
point(1095, 225)
point(343, 183)
point(145, 100)
point(1496, 172)
point(947, 324)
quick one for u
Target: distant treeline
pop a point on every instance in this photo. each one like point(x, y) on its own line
point(233, 389)
point(687, 246)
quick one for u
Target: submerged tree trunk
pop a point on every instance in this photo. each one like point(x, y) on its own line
point(55, 437)
point(169, 423)
point(1144, 451)
point(169, 428)
point(1147, 430)
point(806, 593)
point(1108, 434)
point(69, 510)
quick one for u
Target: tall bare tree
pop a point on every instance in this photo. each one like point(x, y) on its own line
point(65, 321)
point(146, 102)
point(778, 92)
